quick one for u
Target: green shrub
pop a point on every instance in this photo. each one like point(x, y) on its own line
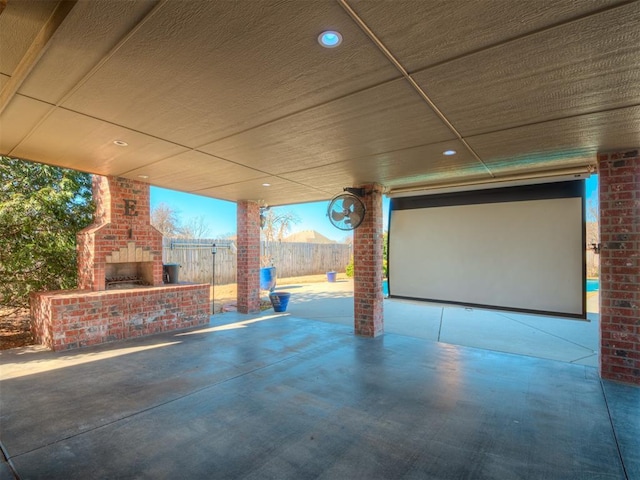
point(42, 208)
point(349, 268)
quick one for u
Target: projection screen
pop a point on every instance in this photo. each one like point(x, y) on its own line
point(517, 248)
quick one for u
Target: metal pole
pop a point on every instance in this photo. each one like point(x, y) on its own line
point(214, 250)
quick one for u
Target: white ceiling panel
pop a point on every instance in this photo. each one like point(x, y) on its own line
point(425, 164)
point(197, 171)
point(278, 192)
point(586, 66)
point(76, 141)
point(198, 71)
point(218, 97)
point(421, 33)
point(561, 143)
point(382, 119)
point(88, 34)
point(18, 119)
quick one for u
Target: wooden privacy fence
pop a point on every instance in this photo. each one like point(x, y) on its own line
point(298, 259)
point(290, 259)
point(196, 260)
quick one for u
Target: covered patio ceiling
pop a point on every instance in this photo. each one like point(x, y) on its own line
point(218, 98)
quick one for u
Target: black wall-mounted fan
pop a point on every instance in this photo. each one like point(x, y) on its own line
point(346, 211)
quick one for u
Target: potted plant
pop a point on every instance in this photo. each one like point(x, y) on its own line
point(279, 301)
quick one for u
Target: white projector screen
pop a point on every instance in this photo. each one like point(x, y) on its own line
point(517, 248)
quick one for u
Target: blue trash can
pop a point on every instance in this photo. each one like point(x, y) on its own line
point(331, 276)
point(279, 300)
point(268, 278)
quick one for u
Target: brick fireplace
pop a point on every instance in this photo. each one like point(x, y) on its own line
point(121, 248)
point(121, 291)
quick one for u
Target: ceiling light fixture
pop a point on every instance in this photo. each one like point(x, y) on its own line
point(330, 39)
point(120, 143)
point(448, 153)
point(144, 177)
point(266, 184)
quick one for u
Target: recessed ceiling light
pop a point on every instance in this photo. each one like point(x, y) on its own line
point(448, 153)
point(144, 177)
point(266, 184)
point(330, 39)
point(120, 143)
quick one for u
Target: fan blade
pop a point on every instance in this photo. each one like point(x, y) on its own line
point(337, 216)
point(354, 218)
point(347, 203)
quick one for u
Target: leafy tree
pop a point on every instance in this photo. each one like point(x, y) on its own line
point(42, 208)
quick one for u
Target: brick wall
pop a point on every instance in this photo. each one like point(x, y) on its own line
point(71, 319)
point(122, 221)
point(619, 185)
point(367, 262)
point(121, 240)
point(248, 269)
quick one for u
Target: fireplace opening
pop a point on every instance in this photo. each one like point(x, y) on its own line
point(128, 275)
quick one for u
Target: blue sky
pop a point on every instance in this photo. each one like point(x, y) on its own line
point(220, 215)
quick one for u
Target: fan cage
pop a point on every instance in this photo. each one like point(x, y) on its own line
point(346, 211)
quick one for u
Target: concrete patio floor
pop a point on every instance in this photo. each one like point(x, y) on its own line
point(286, 396)
point(566, 340)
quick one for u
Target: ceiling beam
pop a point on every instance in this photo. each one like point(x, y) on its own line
point(35, 51)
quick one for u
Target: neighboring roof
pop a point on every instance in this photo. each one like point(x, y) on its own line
point(308, 236)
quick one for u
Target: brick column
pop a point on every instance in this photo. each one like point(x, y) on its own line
point(620, 266)
point(248, 276)
point(367, 256)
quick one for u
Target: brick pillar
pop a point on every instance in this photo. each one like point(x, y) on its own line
point(248, 276)
point(367, 256)
point(620, 266)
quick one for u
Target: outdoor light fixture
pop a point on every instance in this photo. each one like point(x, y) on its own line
point(144, 177)
point(330, 39)
point(120, 143)
point(266, 184)
point(448, 153)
